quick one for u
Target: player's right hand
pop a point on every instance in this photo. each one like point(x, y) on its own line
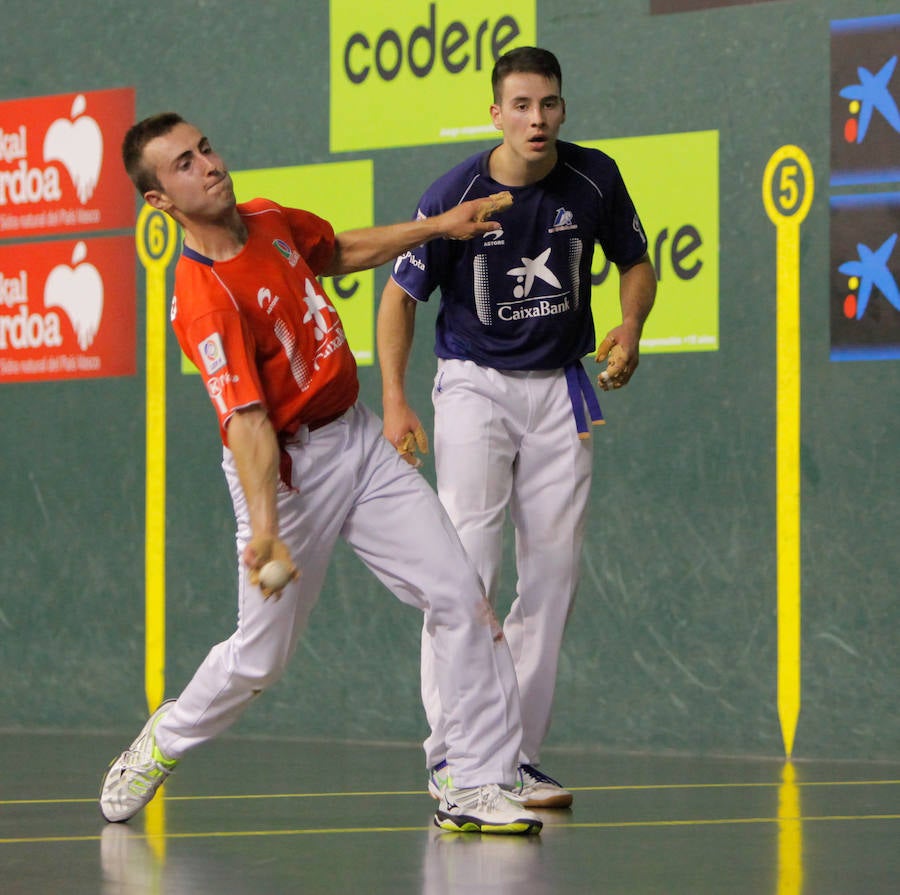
point(403, 429)
point(620, 363)
point(471, 218)
point(412, 441)
point(260, 550)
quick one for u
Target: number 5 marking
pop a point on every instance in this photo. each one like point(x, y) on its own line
point(787, 206)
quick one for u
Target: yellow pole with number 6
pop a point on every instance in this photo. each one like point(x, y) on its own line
point(156, 238)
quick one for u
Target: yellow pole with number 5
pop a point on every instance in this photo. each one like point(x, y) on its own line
point(787, 193)
point(156, 237)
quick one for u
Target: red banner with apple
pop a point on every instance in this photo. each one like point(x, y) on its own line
point(60, 164)
point(67, 309)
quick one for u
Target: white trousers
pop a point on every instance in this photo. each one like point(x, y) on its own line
point(351, 483)
point(508, 441)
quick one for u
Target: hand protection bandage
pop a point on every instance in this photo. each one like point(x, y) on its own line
point(495, 202)
point(616, 373)
point(410, 443)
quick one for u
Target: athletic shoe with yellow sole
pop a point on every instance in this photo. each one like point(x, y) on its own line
point(134, 777)
point(483, 809)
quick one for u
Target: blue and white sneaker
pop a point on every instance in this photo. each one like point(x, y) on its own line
point(438, 779)
point(536, 790)
point(484, 809)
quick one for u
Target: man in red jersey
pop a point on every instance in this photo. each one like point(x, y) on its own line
point(306, 463)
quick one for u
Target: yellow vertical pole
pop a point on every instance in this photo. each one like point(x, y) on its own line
point(155, 236)
point(787, 196)
point(790, 834)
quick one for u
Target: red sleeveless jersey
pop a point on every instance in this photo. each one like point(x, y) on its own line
point(259, 326)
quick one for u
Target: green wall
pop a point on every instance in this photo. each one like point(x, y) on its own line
point(673, 642)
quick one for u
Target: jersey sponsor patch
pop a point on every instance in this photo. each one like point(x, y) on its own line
point(213, 353)
point(290, 254)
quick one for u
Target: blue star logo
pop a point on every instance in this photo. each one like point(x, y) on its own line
point(531, 268)
point(872, 94)
point(872, 270)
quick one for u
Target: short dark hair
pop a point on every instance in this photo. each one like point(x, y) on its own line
point(134, 142)
point(525, 60)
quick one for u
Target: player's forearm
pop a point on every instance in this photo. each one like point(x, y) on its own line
point(254, 444)
point(395, 329)
point(637, 294)
point(361, 249)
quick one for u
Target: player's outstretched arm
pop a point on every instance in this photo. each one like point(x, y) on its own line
point(395, 329)
point(361, 249)
point(254, 444)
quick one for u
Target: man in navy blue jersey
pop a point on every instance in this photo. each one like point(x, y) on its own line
point(510, 394)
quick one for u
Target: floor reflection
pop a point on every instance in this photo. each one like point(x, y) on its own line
point(790, 834)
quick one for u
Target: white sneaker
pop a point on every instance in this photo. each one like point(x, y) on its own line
point(134, 777)
point(537, 790)
point(483, 809)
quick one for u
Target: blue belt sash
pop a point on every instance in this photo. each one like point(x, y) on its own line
point(581, 392)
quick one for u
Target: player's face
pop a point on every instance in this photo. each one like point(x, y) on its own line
point(530, 113)
point(194, 179)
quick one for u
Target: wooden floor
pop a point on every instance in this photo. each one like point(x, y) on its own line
point(259, 816)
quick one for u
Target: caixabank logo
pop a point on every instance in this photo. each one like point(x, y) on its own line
point(67, 309)
point(865, 89)
point(865, 273)
point(60, 170)
point(413, 73)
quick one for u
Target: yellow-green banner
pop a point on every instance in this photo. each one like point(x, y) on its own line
point(674, 182)
point(410, 73)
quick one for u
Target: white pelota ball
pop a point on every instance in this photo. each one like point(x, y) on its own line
point(274, 575)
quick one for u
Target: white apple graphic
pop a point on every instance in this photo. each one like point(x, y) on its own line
point(78, 290)
point(78, 144)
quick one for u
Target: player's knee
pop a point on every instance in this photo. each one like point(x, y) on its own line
point(463, 608)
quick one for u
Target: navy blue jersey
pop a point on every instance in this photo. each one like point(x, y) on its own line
point(518, 298)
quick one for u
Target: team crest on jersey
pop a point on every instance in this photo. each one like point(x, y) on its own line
point(563, 220)
point(213, 353)
point(292, 255)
